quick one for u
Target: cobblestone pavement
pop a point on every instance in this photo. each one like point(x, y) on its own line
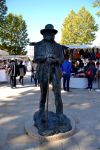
point(18, 105)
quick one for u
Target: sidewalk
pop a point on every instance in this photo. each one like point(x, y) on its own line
point(18, 105)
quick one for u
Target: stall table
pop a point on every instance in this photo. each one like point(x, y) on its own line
point(3, 76)
point(79, 82)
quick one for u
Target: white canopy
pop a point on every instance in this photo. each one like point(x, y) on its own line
point(83, 46)
point(30, 52)
point(3, 53)
point(95, 45)
point(78, 46)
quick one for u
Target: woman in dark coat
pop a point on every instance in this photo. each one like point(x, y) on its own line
point(22, 72)
point(91, 72)
point(13, 72)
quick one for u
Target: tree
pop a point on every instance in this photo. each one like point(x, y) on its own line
point(15, 35)
point(3, 9)
point(68, 34)
point(87, 26)
point(78, 28)
point(97, 4)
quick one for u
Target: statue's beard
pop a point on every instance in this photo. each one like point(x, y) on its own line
point(49, 38)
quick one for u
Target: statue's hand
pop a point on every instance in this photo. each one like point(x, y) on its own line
point(56, 60)
point(51, 60)
point(40, 59)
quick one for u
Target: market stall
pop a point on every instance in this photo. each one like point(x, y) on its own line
point(79, 82)
point(3, 75)
point(4, 60)
point(79, 55)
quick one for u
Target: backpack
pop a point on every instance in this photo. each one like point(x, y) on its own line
point(89, 72)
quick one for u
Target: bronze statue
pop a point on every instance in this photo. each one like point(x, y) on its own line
point(49, 56)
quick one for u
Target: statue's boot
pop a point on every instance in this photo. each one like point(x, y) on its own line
point(60, 118)
point(42, 115)
point(41, 111)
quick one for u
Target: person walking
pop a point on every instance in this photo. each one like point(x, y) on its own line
point(91, 73)
point(98, 75)
point(22, 72)
point(33, 72)
point(66, 68)
point(13, 72)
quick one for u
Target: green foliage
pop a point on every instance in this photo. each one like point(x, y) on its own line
point(78, 28)
point(97, 4)
point(68, 31)
point(3, 9)
point(14, 36)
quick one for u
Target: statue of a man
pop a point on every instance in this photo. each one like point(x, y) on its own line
point(49, 56)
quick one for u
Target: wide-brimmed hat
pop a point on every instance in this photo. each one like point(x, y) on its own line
point(48, 28)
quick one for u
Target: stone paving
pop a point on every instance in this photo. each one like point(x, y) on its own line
point(18, 105)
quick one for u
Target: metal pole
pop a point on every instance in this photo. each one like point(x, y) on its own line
point(47, 98)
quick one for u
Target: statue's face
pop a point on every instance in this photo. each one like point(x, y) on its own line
point(49, 36)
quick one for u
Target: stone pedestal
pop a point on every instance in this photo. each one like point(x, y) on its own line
point(32, 130)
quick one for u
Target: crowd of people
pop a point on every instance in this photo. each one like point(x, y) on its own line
point(91, 54)
point(14, 70)
point(86, 66)
point(77, 63)
point(81, 63)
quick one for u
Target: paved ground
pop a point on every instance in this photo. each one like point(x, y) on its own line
point(18, 105)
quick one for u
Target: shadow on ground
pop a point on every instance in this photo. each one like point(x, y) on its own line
point(16, 109)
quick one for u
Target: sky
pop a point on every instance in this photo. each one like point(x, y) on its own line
point(38, 13)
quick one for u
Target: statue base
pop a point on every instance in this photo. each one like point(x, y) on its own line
point(56, 128)
point(51, 123)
